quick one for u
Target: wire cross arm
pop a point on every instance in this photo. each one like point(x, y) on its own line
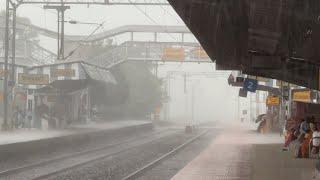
point(96, 2)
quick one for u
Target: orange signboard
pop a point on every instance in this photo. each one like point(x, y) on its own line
point(273, 101)
point(63, 72)
point(173, 54)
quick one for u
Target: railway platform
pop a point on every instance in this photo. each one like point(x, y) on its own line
point(239, 153)
point(24, 140)
point(26, 135)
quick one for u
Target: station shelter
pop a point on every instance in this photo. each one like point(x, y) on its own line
point(59, 91)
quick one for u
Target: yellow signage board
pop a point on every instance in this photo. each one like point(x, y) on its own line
point(273, 101)
point(63, 73)
point(302, 96)
point(33, 79)
point(200, 53)
point(173, 54)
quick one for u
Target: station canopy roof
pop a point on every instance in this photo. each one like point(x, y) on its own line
point(99, 74)
point(274, 39)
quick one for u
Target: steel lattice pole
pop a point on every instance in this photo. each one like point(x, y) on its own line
point(5, 83)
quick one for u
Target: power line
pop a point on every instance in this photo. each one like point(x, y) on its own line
point(151, 19)
point(168, 12)
point(79, 43)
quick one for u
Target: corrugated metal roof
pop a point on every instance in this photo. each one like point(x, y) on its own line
point(99, 74)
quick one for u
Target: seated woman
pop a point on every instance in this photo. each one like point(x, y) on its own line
point(315, 141)
point(289, 137)
point(305, 144)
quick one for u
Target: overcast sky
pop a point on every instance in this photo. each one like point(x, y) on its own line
point(112, 16)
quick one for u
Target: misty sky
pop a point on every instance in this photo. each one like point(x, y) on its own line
point(113, 16)
point(215, 100)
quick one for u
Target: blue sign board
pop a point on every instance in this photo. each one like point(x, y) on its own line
point(250, 85)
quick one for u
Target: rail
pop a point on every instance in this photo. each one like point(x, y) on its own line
point(149, 166)
point(21, 169)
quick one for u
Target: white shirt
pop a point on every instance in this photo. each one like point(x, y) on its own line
point(316, 138)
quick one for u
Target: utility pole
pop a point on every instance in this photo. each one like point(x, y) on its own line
point(257, 103)
point(251, 114)
point(192, 105)
point(238, 110)
point(60, 40)
point(13, 62)
point(11, 82)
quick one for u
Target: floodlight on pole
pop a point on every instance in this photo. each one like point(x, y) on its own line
point(79, 22)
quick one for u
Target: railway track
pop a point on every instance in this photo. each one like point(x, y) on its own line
point(154, 163)
point(80, 158)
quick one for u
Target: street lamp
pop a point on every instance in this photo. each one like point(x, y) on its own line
point(79, 22)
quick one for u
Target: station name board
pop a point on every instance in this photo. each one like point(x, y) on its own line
point(302, 96)
point(63, 73)
point(33, 79)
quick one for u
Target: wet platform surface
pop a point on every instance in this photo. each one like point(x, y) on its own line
point(242, 154)
point(26, 135)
